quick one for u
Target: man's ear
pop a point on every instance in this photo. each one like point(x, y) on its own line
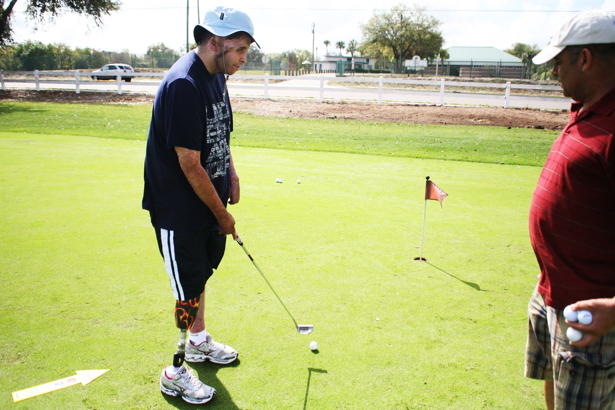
point(586, 60)
point(212, 43)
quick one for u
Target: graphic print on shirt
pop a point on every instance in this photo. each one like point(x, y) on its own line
point(217, 130)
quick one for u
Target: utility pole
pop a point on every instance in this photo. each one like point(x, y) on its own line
point(313, 55)
point(187, 25)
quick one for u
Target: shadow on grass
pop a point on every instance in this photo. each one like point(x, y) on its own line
point(470, 284)
point(309, 380)
point(206, 372)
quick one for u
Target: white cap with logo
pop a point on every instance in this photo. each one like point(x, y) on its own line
point(588, 27)
point(224, 21)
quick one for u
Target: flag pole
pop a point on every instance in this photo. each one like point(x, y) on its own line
point(420, 258)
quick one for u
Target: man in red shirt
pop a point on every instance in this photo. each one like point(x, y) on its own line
point(572, 224)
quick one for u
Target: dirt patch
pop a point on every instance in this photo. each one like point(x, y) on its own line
point(343, 110)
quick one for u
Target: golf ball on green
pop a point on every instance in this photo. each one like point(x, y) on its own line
point(313, 346)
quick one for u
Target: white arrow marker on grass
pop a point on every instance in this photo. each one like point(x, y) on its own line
point(83, 377)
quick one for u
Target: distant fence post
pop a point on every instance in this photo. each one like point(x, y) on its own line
point(380, 90)
point(119, 84)
point(2, 80)
point(507, 95)
point(77, 91)
point(266, 85)
point(442, 91)
point(322, 88)
point(36, 78)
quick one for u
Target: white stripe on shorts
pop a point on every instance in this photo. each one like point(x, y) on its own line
point(168, 253)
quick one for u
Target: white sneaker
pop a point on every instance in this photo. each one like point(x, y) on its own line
point(186, 385)
point(209, 350)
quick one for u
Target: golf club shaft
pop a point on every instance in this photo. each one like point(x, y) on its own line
point(269, 284)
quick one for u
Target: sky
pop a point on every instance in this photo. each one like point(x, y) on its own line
point(281, 25)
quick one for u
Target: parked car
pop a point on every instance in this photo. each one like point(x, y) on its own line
point(111, 71)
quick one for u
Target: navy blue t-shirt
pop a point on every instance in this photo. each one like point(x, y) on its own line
point(189, 112)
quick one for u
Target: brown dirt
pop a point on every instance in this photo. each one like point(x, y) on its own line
point(417, 114)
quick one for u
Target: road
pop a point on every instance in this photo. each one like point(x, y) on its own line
point(310, 87)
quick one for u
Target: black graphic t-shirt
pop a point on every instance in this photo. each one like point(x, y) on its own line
point(190, 111)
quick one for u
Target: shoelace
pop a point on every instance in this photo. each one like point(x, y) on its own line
point(192, 380)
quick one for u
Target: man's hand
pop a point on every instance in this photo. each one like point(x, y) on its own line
point(227, 225)
point(603, 313)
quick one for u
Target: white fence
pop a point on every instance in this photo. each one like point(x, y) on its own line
point(314, 85)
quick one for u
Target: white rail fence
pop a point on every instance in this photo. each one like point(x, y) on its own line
point(316, 84)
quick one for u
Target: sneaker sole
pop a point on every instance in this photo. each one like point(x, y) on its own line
point(202, 358)
point(174, 393)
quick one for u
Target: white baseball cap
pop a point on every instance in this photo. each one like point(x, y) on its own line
point(224, 21)
point(588, 27)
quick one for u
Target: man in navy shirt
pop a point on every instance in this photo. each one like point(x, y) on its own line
point(189, 179)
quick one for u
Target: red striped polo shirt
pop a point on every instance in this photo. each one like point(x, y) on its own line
point(572, 215)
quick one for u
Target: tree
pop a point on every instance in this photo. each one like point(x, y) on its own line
point(341, 45)
point(41, 10)
point(525, 52)
point(353, 47)
point(402, 33)
point(292, 58)
point(163, 56)
point(34, 55)
point(326, 43)
point(255, 55)
point(88, 59)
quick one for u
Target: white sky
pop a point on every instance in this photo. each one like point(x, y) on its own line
point(282, 25)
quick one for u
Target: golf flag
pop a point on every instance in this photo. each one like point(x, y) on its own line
point(432, 191)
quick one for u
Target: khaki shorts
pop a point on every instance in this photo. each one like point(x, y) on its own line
point(584, 378)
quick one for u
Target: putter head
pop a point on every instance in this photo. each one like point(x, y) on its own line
point(305, 329)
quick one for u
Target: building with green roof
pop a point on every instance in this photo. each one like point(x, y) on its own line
point(479, 62)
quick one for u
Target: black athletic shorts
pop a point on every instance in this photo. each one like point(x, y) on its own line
point(190, 257)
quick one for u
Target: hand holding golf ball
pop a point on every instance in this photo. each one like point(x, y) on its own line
point(583, 317)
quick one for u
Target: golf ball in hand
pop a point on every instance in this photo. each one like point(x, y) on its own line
point(313, 346)
point(570, 314)
point(584, 317)
point(574, 335)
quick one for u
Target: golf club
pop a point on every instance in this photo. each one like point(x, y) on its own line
point(303, 329)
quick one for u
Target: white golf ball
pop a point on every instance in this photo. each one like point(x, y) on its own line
point(313, 346)
point(584, 317)
point(574, 335)
point(570, 314)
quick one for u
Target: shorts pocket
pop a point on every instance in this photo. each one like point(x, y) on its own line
point(583, 383)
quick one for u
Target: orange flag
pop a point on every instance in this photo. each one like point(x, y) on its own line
point(432, 191)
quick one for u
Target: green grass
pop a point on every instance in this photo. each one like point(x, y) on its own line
point(85, 287)
point(499, 145)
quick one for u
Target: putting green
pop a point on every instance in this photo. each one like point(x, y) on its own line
point(84, 285)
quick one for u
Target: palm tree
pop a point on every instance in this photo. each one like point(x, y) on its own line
point(353, 47)
point(341, 45)
point(326, 43)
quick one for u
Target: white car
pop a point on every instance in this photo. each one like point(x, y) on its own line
point(111, 71)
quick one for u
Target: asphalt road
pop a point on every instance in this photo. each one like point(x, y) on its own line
point(310, 88)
